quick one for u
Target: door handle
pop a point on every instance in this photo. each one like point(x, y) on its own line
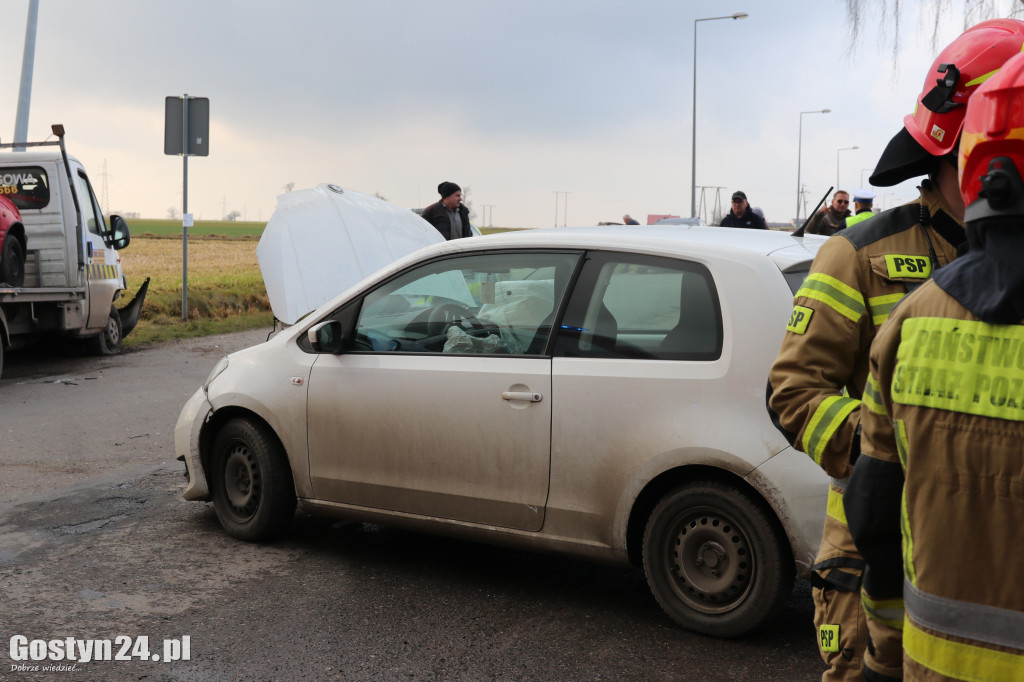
point(522, 395)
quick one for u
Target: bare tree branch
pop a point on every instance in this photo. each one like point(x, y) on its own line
point(931, 15)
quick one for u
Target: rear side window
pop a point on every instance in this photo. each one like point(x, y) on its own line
point(642, 307)
point(795, 276)
point(27, 186)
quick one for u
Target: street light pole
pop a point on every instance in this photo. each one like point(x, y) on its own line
point(693, 142)
point(844, 149)
point(799, 152)
point(565, 207)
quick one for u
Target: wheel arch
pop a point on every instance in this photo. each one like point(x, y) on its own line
point(217, 420)
point(667, 481)
point(18, 230)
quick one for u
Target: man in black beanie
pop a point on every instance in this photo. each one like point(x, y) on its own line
point(449, 216)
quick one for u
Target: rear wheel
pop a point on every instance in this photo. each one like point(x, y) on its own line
point(715, 561)
point(109, 341)
point(12, 262)
point(253, 492)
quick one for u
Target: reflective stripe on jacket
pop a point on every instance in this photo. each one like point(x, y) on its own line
point(858, 276)
point(946, 414)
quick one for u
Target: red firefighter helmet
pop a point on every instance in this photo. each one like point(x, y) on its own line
point(933, 130)
point(991, 156)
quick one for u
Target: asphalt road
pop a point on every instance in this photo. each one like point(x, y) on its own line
point(96, 543)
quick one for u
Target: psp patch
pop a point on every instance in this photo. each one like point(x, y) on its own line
point(799, 320)
point(828, 636)
point(899, 266)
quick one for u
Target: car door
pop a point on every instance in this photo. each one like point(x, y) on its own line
point(441, 407)
point(101, 273)
point(637, 370)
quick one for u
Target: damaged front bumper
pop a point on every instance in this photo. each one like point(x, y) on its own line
point(130, 313)
point(186, 444)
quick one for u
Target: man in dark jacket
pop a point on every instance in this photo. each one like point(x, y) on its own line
point(831, 219)
point(741, 215)
point(449, 216)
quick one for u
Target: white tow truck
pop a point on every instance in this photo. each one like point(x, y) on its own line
point(71, 273)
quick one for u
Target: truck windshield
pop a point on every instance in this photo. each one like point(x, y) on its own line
point(26, 186)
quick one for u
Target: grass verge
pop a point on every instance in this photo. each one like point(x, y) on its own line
point(225, 288)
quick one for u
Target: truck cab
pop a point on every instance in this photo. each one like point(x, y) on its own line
point(72, 270)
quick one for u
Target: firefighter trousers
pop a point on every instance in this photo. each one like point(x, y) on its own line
point(841, 625)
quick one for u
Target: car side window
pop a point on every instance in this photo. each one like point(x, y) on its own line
point(642, 307)
point(494, 303)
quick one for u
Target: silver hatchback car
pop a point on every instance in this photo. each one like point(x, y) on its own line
point(597, 392)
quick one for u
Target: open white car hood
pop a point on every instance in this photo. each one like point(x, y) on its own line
point(321, 241)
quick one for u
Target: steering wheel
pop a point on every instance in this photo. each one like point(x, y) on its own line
point(447, 314)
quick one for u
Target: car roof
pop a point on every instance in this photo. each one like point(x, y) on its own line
point(782, 248)
point(788, 253)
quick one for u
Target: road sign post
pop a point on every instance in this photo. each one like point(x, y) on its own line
point(186, 133)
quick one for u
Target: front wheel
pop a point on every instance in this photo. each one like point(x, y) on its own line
point(715, 561)
point(253, 492)
point(108, 342)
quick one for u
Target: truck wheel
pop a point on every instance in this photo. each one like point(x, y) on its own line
point(109, 342)
point(12, 262)
point(252, 488)
point(715, 561)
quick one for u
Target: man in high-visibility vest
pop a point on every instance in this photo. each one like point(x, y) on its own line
point(858, 276)
point(936, 499)
point(862, 207)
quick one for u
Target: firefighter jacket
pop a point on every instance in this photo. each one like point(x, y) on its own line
point(935, 502)
point(858, 275)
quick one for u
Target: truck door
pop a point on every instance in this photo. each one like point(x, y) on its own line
point(102, 271)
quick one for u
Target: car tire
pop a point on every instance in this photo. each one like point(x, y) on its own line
point(12, 262)
point(108, 342)
point(253, 492)
point(715, 560)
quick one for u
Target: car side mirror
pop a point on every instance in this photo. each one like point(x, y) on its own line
point(119, 236)
point(326, 337)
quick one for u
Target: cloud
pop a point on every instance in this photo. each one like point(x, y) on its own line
point(516, 100)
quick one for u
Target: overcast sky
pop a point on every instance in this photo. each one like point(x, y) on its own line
point(513, 99)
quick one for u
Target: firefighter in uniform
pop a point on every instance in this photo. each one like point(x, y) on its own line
point(817, 380)
point(936, 500)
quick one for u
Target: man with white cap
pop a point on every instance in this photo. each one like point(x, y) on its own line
point(862, 200)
